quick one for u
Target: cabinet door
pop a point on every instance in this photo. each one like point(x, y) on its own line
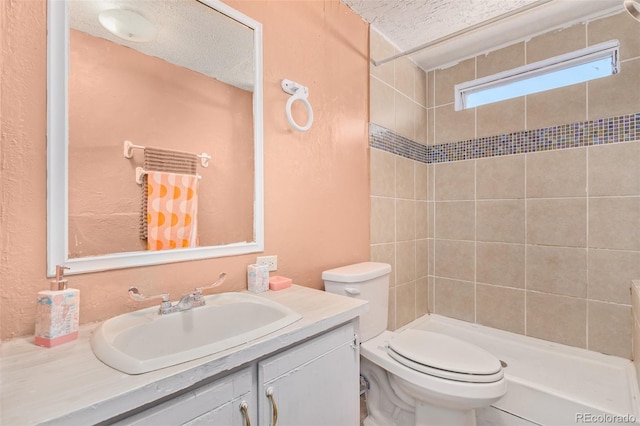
point(216, 403)
point(315, 383)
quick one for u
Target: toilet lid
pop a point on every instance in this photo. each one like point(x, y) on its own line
point(444, 356)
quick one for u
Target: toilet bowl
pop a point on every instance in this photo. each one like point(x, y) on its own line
point(415, 377)
point(444, 397)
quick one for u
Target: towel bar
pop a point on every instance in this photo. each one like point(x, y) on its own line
point(129, 147)
point(141, 172)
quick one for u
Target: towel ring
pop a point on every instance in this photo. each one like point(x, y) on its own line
point(298, 93)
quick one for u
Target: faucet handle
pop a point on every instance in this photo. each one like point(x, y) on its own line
point(134, 293)
point(218, 282)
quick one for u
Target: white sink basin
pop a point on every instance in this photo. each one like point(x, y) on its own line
point(143, 341)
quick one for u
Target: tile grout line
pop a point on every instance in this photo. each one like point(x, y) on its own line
point(526, 244)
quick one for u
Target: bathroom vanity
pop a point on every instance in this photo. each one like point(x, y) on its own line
point(305, 372)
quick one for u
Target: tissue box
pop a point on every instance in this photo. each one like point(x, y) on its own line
point(257, 278)
point(278, 282)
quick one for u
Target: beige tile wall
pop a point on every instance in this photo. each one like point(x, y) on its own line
point(399, 220)
point(544, 244)
point(606, 97)
point(550, 253)
point(399, 226)
point(635, 295)
point(398, 96)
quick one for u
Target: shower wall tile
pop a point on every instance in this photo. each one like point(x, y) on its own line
point(455, 181)
point(446, 79)
point(422, 258)
point(500, 60)
point(405, 72)
point(500, 307)
point(614, 223)
point(500, 221)
point(405, 303)
point(421, 181)
point(558, 173)
point(455, 220)
point(405, 220)
point(500, 117)
point(405, 178)
point(405, 262)
point(455, 299)
point(610, 274)
point(559, 319)
point(404, 124)
point(557, 106)
point(385, 253)
point(422, 296)
point(500, 177)
point(383, 216)
point(562, 165)
point(557, 270)
point(382, 173)
point(557, 222)
point(500, 264)
point(379, 49)
point(610, 328)
point(420, 125)
point(556, 43)
point(614, 169)
point(420, 86)
point(621, 27)
point(455, 259)
point(391, 313)
point(617, 93)
point(422, 219)
point(381, 104)
point(451, 125)
point(397, 94)
point(431, 89)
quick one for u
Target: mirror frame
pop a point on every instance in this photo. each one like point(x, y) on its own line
point(58, 148)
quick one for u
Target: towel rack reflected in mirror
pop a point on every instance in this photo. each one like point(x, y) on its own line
point(129, 147)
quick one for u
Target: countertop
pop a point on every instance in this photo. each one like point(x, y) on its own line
point(68, 385)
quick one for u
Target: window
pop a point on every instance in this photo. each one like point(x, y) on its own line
point(576, 67)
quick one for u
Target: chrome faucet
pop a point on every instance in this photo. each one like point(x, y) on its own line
point(186, 302)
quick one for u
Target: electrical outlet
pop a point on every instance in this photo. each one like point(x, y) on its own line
point(270, 261)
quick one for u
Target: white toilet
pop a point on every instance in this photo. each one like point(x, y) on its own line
point(415, 377)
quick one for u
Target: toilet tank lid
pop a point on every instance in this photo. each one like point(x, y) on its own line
point(357, 272)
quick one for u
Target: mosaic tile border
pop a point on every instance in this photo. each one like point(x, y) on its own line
point(623, 128)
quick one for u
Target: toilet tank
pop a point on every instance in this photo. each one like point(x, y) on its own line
point(368, 281)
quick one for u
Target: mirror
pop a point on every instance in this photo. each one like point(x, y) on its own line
point(186, 77)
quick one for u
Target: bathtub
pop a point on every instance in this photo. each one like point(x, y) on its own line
point(549, 383)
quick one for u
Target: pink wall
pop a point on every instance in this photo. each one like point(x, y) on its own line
point(116, 94)
point(317, 183)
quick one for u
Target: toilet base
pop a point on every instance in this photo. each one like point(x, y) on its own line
point(388, 405)
point(431, 415)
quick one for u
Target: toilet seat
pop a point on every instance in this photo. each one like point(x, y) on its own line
point(443, 356)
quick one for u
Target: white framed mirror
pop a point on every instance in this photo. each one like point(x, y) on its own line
point(186, 78)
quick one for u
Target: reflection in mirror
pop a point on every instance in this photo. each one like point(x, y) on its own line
point(193, 86)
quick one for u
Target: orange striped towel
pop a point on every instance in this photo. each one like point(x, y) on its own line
point(172, 208)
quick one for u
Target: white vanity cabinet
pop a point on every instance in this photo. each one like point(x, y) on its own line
point(312, 367)
point(216, 403)
point(315, 383)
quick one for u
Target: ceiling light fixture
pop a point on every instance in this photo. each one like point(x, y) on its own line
point(633, 7)
point(128, 25)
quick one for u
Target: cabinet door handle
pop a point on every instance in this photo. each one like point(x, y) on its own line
point(273, 405)
point(244, 407)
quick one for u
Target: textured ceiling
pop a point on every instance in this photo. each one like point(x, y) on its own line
point(190, 35)
point(411, 23)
